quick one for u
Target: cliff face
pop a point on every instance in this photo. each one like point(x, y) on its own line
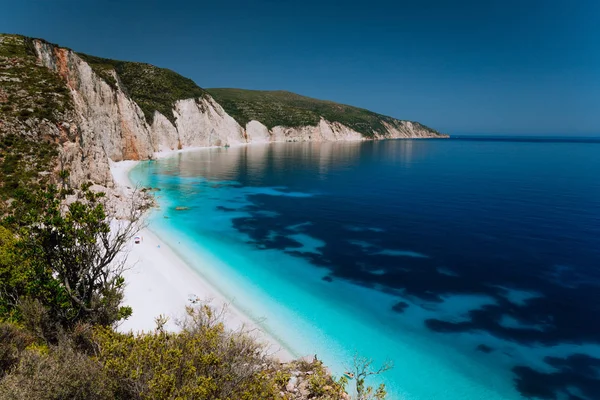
point(111, 126)
point(203, 122)
point(108, 125)
point(327, 131)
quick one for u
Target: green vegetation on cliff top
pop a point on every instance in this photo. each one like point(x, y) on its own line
point(152, 88)
point(156, 89)
point(31, 98)
point(273, 108)
point(27, 89)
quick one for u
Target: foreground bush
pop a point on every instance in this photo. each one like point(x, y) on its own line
point(13, 342)
point(56, 373)
point(61, 288)
point(203, 361)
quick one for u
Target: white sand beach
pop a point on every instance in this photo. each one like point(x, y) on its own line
point(159, 282)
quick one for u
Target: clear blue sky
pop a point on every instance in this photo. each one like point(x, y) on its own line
point(464, 66)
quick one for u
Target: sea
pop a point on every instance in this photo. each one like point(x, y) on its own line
point(472, 264)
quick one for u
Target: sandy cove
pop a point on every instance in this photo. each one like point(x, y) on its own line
point(159, 282)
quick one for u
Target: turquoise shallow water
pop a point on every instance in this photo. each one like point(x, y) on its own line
point(470, 264)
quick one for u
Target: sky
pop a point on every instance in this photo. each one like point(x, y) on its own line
point(529, 67)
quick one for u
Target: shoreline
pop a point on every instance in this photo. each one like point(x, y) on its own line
point(160, 282)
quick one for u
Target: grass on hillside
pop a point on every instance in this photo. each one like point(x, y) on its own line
point(24, 166)
point(152, 88)
point(27, 89)
point(273, 108)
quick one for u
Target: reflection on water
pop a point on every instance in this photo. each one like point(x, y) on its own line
point(282, 158)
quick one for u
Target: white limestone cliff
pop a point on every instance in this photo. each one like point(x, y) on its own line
point(257, 132)
point(164, 134)
point(325, 131)
point(109, 126)
point(407, 130)
point(203, 122)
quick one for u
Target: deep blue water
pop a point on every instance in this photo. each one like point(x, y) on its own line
point(474, 264)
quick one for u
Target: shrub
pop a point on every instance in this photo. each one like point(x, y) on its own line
point(21, 161)
point(61, 373)
point(203, 361)
point(13, 341)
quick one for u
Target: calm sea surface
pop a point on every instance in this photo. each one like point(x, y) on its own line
point(474, 265)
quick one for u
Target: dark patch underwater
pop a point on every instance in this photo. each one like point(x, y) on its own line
point(424, 221)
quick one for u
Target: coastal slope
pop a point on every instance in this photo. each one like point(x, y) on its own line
point(285, 116)
point(108, 110)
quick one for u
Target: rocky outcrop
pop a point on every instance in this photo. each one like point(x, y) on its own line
point(407, 130)
point(325, 131)
point(203, 122)
point(308, 378)
point(164, 135)
point(108, 124)
point(257, 132)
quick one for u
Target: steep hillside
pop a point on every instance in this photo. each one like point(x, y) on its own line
point(152, 88)
point(157, 89)
point(92, 111)
point(28, 90)
point(281, 108)
point(35, 107)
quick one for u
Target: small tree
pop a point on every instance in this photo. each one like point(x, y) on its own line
point(9, 277)
point(362, 368)
point(73, 258)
